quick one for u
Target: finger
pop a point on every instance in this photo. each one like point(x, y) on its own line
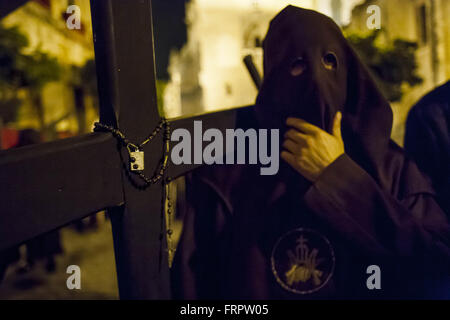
point(295, 135)
point(289, 158)
point(291, 146)
point(302, 125)
point(337, 125)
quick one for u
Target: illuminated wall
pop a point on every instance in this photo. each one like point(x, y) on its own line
point(421, 21)
point(45, 27)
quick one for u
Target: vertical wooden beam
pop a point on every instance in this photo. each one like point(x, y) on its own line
point(126, 73)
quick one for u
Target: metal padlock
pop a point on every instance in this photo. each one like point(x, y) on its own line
point(137, 160)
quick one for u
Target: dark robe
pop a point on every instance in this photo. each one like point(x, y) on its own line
point(372, 204)
point(427, 140)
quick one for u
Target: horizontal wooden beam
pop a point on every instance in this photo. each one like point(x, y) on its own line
point(46, 186)
point(229, 119)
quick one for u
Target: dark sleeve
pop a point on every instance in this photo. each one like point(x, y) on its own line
point(356, 207)
point(427, 141)
point(198, 258)
point(422, 143)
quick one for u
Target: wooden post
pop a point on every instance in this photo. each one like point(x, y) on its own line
point(126, 73)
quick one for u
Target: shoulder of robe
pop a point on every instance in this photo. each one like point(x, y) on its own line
point(406, 180)
point(438, 96)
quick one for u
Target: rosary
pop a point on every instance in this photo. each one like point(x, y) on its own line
point(136, 167)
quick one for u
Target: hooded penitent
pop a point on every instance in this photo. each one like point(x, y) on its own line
point(281, 237)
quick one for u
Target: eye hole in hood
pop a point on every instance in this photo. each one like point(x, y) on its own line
point(330, 61)
point(298, 67)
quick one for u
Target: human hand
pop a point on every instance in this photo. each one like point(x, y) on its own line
point(309, 149)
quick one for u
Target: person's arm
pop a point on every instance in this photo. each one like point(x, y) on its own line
point(355, 206)
point(421, 143)
point(427, 139)
point(351, 201)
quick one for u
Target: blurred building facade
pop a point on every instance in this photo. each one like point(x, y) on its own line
point(424, 22)
point(44, 23)
point(208, 73)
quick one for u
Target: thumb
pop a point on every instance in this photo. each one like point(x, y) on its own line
point(337, 125)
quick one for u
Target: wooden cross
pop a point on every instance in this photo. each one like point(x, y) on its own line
point(47, 186)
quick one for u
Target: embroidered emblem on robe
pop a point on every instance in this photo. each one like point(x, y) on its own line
point(302, 261)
